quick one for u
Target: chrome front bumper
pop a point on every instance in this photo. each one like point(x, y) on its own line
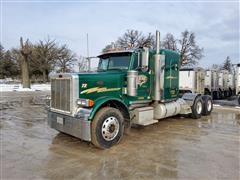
point(75, 126)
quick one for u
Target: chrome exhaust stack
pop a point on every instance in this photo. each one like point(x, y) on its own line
point(157, 70)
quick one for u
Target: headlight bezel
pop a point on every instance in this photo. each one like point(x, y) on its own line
point(85, 102)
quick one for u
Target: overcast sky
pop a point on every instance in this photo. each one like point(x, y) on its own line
point(216, 24)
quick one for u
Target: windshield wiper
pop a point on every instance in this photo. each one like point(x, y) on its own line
point(115, 69)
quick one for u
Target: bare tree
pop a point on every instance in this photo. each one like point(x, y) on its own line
point(48, 55)
point(25, 51)
point(190, 52)
point(146, 41)
point(131, 39)
point(65, 58)
point(37, 60)
point(170, 42)
point(82, 63)
point(44, 57)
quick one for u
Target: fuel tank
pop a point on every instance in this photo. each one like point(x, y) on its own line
point(163, 110)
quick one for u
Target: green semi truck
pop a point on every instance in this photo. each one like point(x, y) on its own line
point(138, 86)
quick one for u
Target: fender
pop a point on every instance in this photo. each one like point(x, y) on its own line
point(100, 101)
point(190, 97)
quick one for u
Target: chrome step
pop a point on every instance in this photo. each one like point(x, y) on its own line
point(143, 116)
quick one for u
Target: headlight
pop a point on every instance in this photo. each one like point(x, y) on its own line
point(85, 102)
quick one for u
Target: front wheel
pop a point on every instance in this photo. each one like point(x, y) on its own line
point(107, 127)
point(197, 108)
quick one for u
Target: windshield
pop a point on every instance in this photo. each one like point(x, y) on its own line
point(114, 61)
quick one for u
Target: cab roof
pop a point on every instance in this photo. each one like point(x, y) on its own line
point(115, 52)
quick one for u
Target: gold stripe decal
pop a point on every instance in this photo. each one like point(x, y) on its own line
point(98, 90)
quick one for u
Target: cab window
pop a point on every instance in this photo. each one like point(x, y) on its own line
point(114, 61)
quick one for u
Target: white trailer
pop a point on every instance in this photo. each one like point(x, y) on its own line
point(225, 79)
point(208, 80)
point(225, 89)
point(191, 80)
point(230, 84)
point(221, 84)
point(237, 79)
point(211, 83)
point(225, 84)
point(220, 80)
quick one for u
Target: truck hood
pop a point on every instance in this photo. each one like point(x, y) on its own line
point(103, 83)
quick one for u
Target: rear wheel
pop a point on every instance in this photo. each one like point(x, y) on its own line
point(197, 108)
point(215, 95)
point(225, 94)
point(221, 94)
point(207, 105)
point(107, 127)
point(230, 92)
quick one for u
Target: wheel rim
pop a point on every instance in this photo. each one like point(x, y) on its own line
point(199, 107)
point(209, 105)
point(110, 128)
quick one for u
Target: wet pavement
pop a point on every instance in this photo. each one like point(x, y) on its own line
point(174, 148)
point(231, 101)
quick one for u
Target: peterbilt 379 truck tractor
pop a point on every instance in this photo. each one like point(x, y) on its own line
point(138, 86)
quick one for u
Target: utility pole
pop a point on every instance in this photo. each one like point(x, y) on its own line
point(88, 59)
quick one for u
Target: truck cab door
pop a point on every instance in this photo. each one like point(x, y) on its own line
point(143, 92)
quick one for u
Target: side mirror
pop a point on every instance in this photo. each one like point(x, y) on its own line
point(144, 58)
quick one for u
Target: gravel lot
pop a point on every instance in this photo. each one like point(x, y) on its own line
point(174, 148)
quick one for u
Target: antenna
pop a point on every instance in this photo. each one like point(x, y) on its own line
point(157, 42)
point(88, 54)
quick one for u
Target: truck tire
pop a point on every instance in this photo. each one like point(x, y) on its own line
point(215, 95)
point(107, 127)
point(207, 105)
point(225, 94)
point(197, 108)
point(221, 94)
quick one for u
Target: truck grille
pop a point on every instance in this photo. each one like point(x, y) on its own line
point(60, 94)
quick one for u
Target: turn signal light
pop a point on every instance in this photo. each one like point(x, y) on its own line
point(90, 103)
point(85, 102)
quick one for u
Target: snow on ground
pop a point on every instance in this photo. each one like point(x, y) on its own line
point(18, 87)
